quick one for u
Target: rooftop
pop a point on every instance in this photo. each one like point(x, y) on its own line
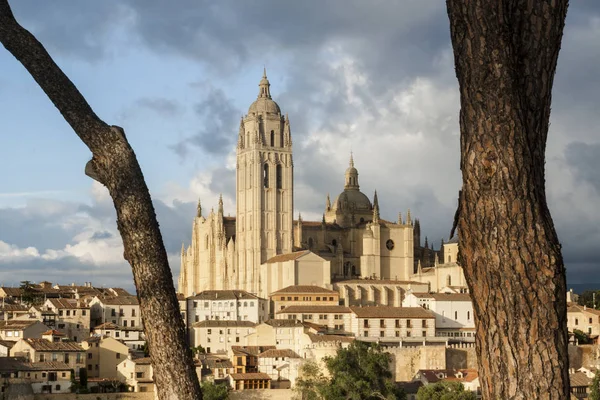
point(392, 312)
point(225, 295)
point(315, 309)
point(444, 296)
point(223, 323)
point(300, 289)
point(287, 257)
point(45, 345)
point(272, 353)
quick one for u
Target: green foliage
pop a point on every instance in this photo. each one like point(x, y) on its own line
point(146, 350)
point(587, 298)
point(595, 388)
point(360, 372)
point(28, 294)
point(582, 337)
point(310, 383)
point(198, 350)
point(445, 391)
point(210, 391)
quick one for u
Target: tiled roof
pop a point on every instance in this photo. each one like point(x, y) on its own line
point(315, 338)
point(17, 324)
point(250, 350)
point(10, 364)
point(13, 308)
point(107, 326)
point(444, 296)
point(67, 303)
point(272, 353)
point(7, 343)
point(119, 300)
point(223, 323)
point(379, 282)
point(53, 333)
point(315, 309)
point(304, 289)
point(45, 345)
point(225, 295)
point(392, 312)
point(119, 291)
point(577, 308)
point(432, 375)
point(287, 257)
point(283, 323)
point(579, 379)
point(212, 362)
point(250, 375)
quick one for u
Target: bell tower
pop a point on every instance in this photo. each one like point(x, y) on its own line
point(264, 187)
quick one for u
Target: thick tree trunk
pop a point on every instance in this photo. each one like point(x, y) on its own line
point(505, 54)
point(114, 164)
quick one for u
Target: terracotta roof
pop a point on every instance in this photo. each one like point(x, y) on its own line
point(119, 291)
point(250, 350)
point(17, 324)
point(283, 323)
point(223, 323)
point(444, 296)
point(578, 308)
point(45, 345)
point(13, 308)
point(7, 343)
point(579, 379)
point(67, 303)
point(304, 289)
point(9, 364)
point(225, 295)
point(315, 338)
point(392, 312)
point(119, 300)
point(250, 375)
point(287, 257)
point(272, 353)
point(315, 309)
point(53, 333)
point(380, 282)
point(432, 375)
point(107, 326)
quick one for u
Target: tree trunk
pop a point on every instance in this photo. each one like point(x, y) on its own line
point(114, 165)
point(505, 53)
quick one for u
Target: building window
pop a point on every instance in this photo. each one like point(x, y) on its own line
point(366, 333)
point(408, 334)
point(424, 333)
point(397, 323)
point(468, 315)
point(456, 315)
point(590, 320)
point(424, 323)
point(133, 312)
point(382, 323)
point(408, 323)
point(89, 356)
point(381, 333)
point(266, 176)
point(365, 323)
point(279, 177)
point(272, 138)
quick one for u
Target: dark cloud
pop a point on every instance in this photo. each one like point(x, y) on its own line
point(162, 106)
point(101, 235)
point(218, 118)
point(584, 159)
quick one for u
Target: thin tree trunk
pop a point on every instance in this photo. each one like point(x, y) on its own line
point(505, 54)
point(114, 165)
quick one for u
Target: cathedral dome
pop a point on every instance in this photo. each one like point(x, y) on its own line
point(263, 104)
point(352, 200)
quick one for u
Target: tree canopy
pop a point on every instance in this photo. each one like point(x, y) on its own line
point(445, 391)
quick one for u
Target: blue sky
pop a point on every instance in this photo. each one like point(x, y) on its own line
point(374, 77)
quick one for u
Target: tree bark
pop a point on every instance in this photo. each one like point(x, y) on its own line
point(115, 166)
point(505, 54)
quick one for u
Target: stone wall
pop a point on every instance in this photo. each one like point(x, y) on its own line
point(273, 394)
point(96, 396)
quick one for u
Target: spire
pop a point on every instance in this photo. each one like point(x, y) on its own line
point(199, 209)
point(351, 175)
point(399, 218)
point(300, 217)
point(426, 243)
point(182, 248)
point(408, 220)
point(375, 200)
point(351, 160)
point(419, 268)
point(241, 134)
point(264, 86)
point(328, 203)
point(376, 213)
point(221, 204)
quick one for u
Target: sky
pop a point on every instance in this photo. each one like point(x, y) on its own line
point(372, 77)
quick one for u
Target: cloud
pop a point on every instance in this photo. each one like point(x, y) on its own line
point(162, 106)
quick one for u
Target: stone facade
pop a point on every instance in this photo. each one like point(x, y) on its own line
point(351, 241)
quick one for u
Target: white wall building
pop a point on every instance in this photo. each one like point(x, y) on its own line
point(226, 305)
point(219, 336)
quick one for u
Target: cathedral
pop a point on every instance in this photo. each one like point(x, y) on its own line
point(263, 249)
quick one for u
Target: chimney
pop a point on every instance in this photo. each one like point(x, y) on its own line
point(584, 307)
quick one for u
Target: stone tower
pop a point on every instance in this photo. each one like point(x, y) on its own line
point(264, 187)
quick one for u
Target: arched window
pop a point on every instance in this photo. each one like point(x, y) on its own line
point(245, 304)
point(334, 242)
point(266, 176)
point(448, 280)
point(272, 138)
point(278, 176)
point(310, 243)
point(449, 259)
point(206, 242)
point(281, 139)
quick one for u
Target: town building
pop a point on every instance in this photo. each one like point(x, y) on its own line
point(218, 336)
point(14, 329)
point(134, 338)
point(137, 373)
point(392, 323)
point(44, 350)
point(219, 305)
point(44, 377)
point(303, 295)
point(376, 292)
point(453, 312)
point(120, 310)
point(279, 364)
point(72, 317)
point(584, 319)
point(334, 318)
point(103, 354)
